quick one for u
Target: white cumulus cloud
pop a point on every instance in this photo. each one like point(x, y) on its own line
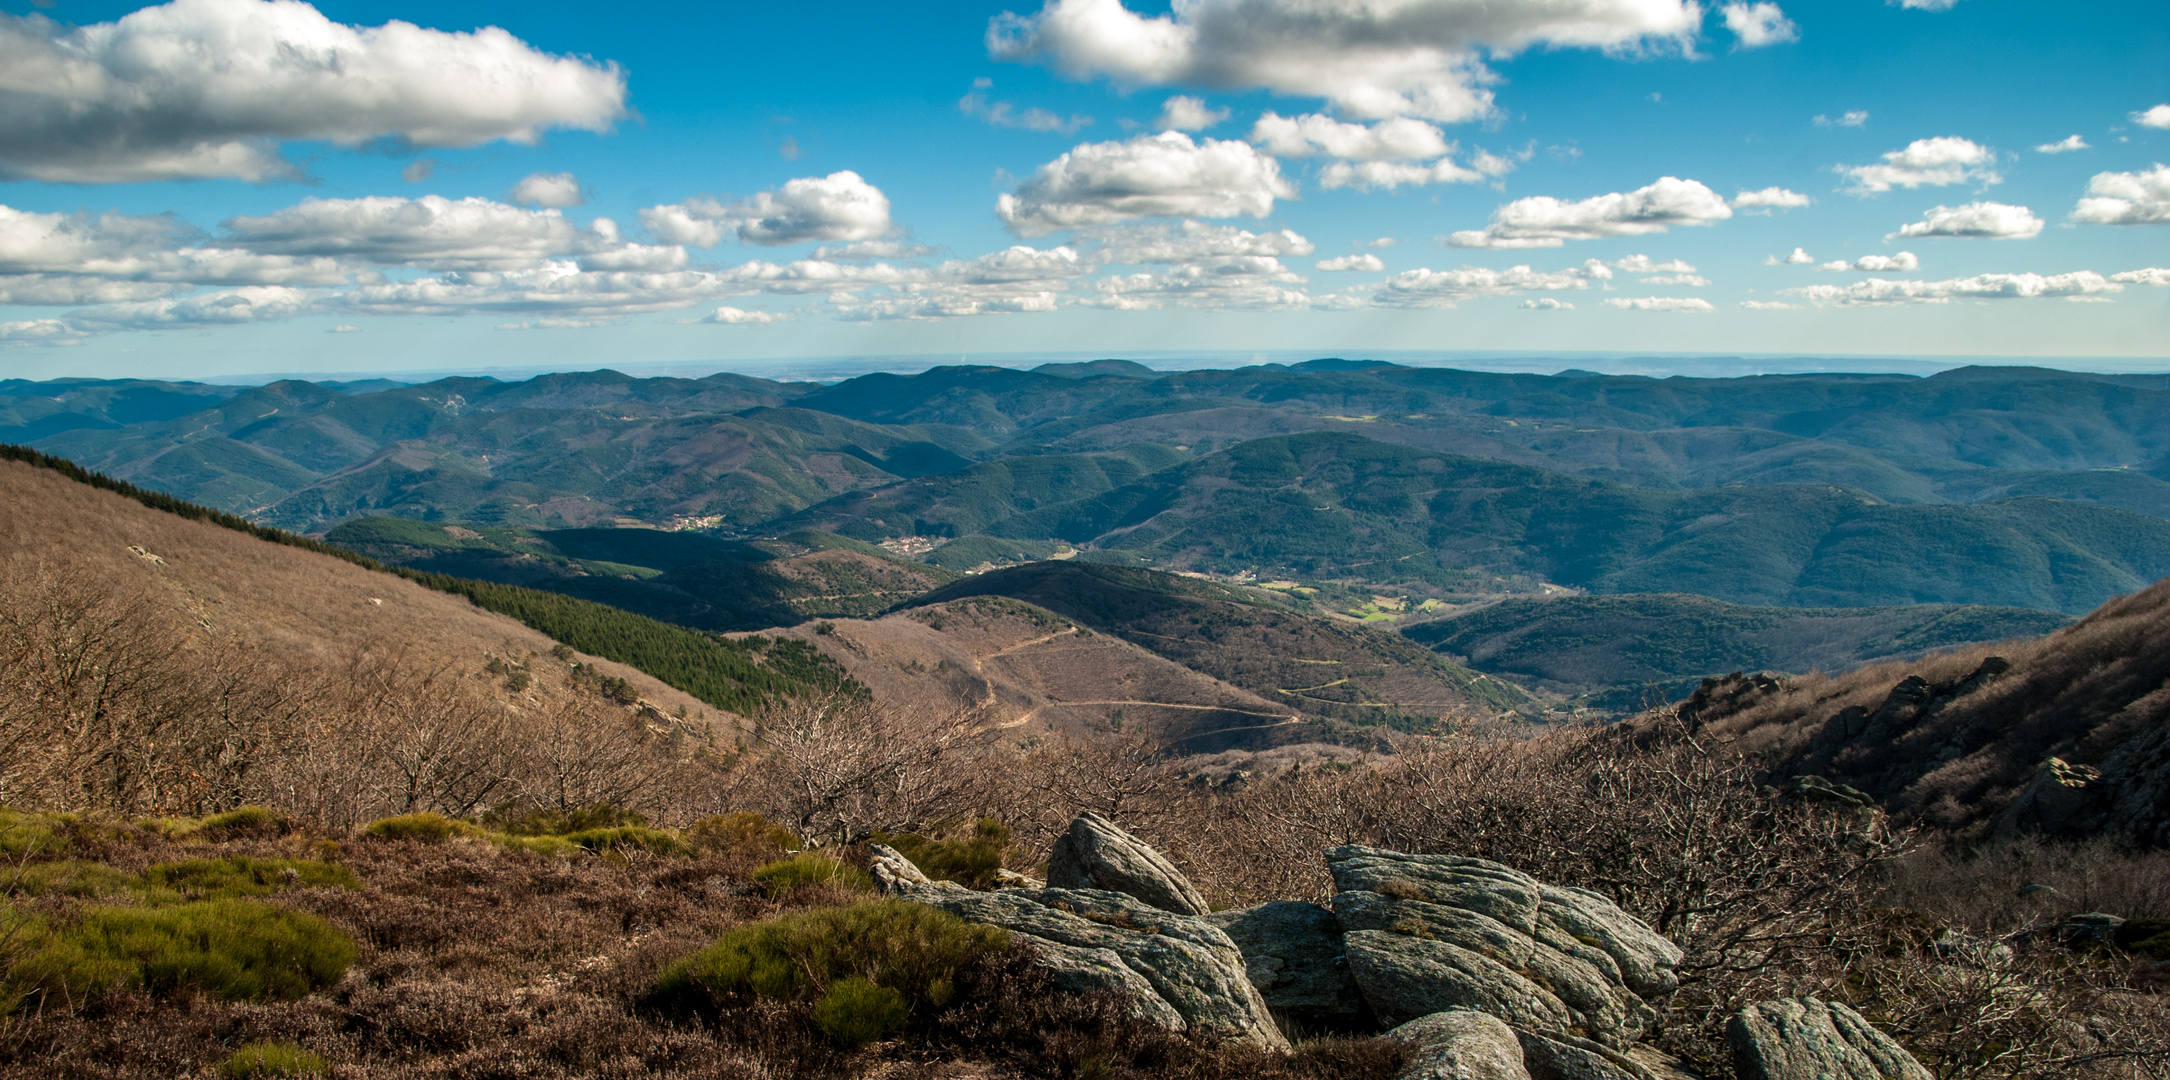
point(1424, 287)
point(1771, 197)
point(2122, 198)
point(2157, 117)
point(1163, 175)
point(1977, 220)
point(1643, 264)
point(431, 232)
point(1372, 59)
point(731, 316)
point(197, 89)
point(2153, 275)
point(1543, 221)
point(841, 206)
point(554, 190)
point(1758, 24)
point(1185, 113)
point(1924, 5)
point(1660, 303)
point(1401, 138)
point(1851, 118)
point(1798, 258)
point(1545, 303)
point(2065, 145)
point(1191, 241)
point(1769, 305)
point(1883, 291)
point(1876, 264)
point(1368, 263)
point(1937, 162)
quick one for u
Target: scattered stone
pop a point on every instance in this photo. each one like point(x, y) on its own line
point(1816, 789)
point(2062, 797)
point(892, 872)
point(1461, 1045)
point(1006, 878)
point(1095, 854)
point(1809, 1039)
point(1292, 952)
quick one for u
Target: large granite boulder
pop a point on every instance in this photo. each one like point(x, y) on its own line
point(1177, 971)
point(1292, 953)
point(1425, 933)
point(1461, 1045)
point(1095, 854)
point(1808, 1039)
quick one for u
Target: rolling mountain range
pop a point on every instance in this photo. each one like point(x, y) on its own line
point(732, 503)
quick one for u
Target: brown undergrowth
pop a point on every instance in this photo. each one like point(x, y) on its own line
point(476, 961)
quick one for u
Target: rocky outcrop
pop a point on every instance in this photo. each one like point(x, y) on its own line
point(1461, 1045)
point(1095, 854)
point(1431, 932)
point(1178, 972)
point(1292, 953)
point(1809, 1039)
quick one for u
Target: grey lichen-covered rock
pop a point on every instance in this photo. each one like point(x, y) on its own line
point(1433, 932)
point(1292, 953)
point(1809, 1039)
point(1404, 977)
point(1645, 960)
point(1177, 971)
point(1095, 854)
point(1559, 1056)
point(1461, 1045)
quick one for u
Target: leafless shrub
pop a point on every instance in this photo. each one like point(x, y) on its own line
point(836, 769)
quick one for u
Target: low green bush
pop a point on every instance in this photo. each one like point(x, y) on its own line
point(856, 1012)
point(426, 827)
point(969, 860)
point(69, 877)
point(34, 834)
point(261, 1060)
point(234, 950)
point(628, 838)
point(559, 822)
point(910, 951)
point(247, 821)
point(785, 876)
point(744, 834)
point(240, 875)
point(549, 847)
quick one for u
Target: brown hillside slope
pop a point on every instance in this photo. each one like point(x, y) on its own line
point(284, 598)
point(2068, 733)
point(1016, 666)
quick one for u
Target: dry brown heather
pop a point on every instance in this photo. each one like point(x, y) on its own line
point(476, 962)
point(2096, 693)
point(234, 586)
point(151, 664)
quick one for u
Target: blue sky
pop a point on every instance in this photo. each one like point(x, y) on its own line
point(736, 183)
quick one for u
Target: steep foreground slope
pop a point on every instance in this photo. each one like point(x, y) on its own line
point(2068, 734)
point(295, 602)
point(149, 662)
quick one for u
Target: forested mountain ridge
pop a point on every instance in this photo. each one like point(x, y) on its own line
point(2011, 486)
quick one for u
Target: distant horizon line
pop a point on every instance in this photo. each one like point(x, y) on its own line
point(829, 369)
